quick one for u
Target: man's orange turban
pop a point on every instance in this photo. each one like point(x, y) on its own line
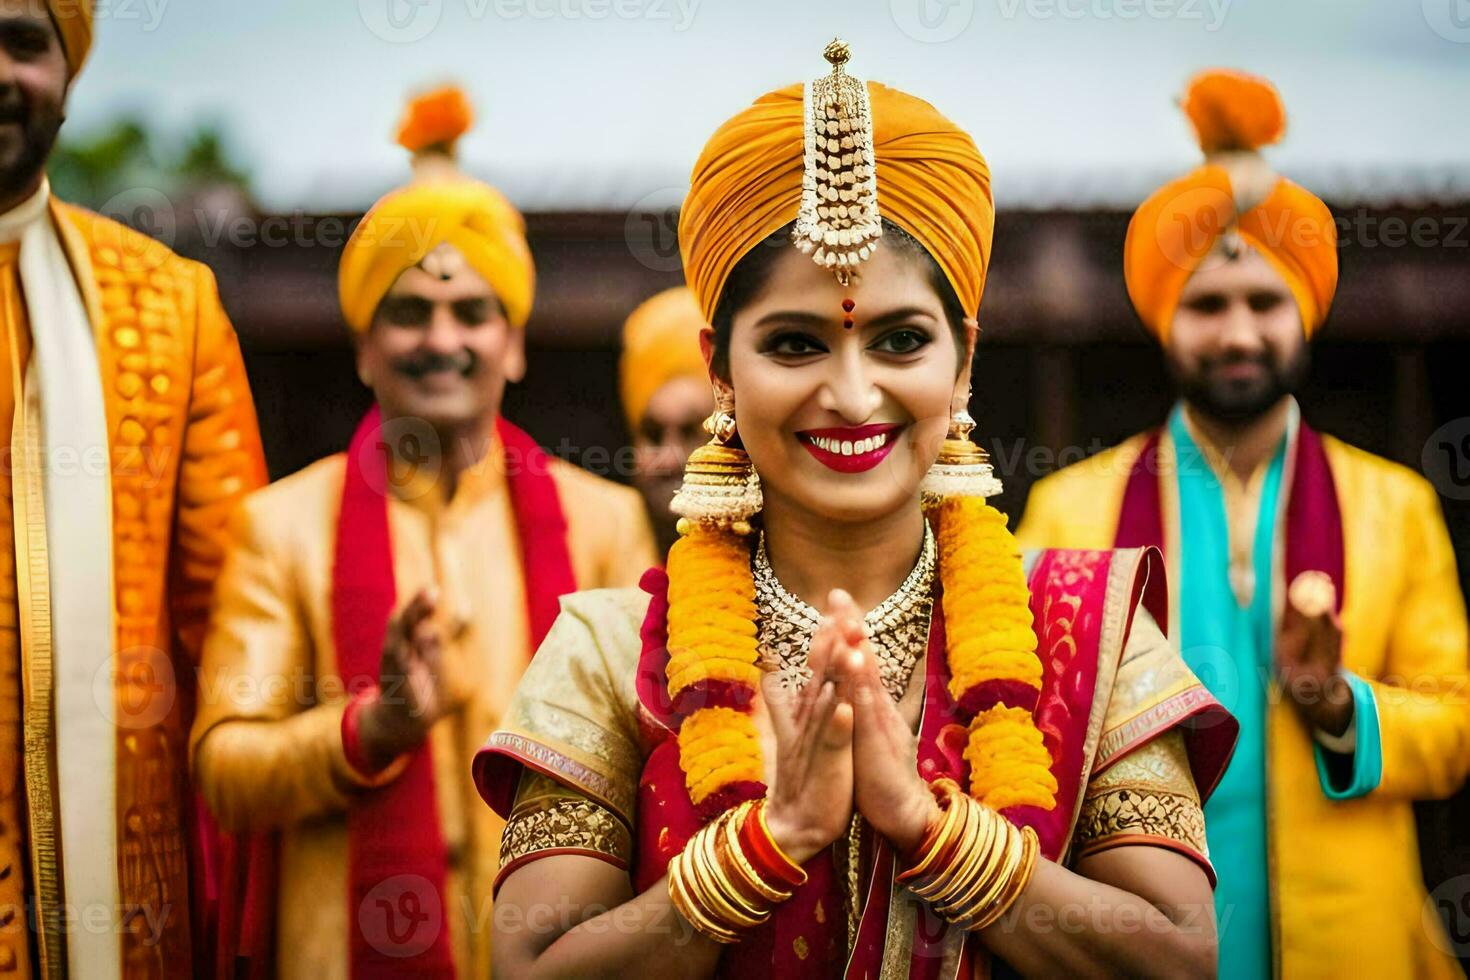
point(1234, 192)
point(932, 182)
point(660, 343)
point(441, 206)
point(73, 20)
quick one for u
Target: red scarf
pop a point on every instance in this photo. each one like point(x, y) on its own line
point(396, 850)
point(397, 862)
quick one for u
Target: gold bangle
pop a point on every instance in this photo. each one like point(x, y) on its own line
point(730, 832)
point(946, 793)
point(713, 889)
point(717, 871)
point(993, 882)
point(963, 833)
point(1019, 880)
point(685, 905)
point(972, 860)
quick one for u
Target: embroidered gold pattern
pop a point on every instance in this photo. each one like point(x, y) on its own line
point(1148, 792)
point(566, 824)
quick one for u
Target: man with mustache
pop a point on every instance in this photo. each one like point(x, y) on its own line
point(1313, 584)
point(666, 398)
point(128, 435)
point(380, 605)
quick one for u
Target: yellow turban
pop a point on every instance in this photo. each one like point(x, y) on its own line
point(441, 206)
point(73, 20)
point(660, 343)
point(932, 182)
point(1174, 230)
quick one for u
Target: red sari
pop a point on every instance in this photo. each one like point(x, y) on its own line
point(1083, 604)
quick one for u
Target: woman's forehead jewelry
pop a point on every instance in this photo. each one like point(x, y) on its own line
point(838, 222)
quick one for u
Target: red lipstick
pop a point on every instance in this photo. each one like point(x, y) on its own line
point(854, 449)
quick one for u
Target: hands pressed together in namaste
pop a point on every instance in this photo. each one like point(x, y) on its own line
point(841, 744)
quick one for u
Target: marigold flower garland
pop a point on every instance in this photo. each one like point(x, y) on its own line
point(712, 672)
point(995, 672)
point(994, 669)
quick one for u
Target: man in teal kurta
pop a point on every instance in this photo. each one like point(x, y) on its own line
point(1314, 585)
point(1227, 632)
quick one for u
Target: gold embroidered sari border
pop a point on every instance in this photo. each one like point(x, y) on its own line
point(1150, 722)
point(556, 765)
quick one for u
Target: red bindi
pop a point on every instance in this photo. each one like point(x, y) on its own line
point(847, 307)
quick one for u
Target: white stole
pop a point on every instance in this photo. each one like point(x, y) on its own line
point(63, 392)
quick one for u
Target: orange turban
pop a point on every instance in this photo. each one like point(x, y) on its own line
point(660, 343)
point(73, 20)
point(1174, 230)
point(932, 182)
point(441, 206)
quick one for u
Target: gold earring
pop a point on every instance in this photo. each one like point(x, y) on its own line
point(962, 470)
point(721, 488)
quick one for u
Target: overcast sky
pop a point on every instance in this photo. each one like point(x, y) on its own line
point(607, 102)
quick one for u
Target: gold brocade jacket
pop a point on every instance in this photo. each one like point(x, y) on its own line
point(267, 745)
point(183, 450)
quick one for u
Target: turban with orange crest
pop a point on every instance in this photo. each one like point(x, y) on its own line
point(442, 205)
point(1234, 193)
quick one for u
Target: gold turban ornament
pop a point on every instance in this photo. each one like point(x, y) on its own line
point(73, 20)
point(440, 206)
point(928, 178)
point(660, 343)
point(1233, 199)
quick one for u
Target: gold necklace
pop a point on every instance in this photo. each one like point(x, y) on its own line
point(898, 627)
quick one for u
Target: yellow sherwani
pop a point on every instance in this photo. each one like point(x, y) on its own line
point(1346, 890)
point(267, 745)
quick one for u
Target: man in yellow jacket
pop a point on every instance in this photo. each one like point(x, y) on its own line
point(1313, 584)
point(128, 435)
point(379, 606)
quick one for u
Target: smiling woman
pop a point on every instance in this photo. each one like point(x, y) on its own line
point(841, 421)
point(755, 766)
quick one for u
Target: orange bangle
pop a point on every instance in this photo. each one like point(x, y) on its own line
point(746, 877)
point(764, 853)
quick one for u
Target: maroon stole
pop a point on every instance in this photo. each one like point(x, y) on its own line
point(1314, 537)
point(806, 936)
point(397, 861)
